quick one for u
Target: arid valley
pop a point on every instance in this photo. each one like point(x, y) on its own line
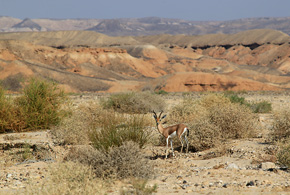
point(204, 80)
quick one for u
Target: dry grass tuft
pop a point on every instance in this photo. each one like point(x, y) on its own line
point(68, 178)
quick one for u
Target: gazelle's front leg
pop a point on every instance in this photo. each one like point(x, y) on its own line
point(166, 147)
point(171, 147)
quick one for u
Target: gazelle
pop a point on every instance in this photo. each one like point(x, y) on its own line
point(179, 130)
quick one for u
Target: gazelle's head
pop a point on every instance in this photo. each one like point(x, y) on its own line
point(158, 118)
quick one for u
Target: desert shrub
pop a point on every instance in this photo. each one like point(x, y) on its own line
point(124, 161)
point(134, 102)
point(213, 119)
point(68, 178)
point(261, 107)
point(161, 92)
point(185, 111)
point(76, 128)
point(256, 107)
point(90, 123)
point(281, 126)
point(283, 154)
point(234, 120)
point(213, 100)
point(234, 98)
point(40, 106)
point(203, 134)
point(113, 129)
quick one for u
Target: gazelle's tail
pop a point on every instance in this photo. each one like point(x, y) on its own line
point(187, 132)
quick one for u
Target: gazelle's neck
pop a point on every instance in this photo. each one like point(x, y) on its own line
point(160, 128)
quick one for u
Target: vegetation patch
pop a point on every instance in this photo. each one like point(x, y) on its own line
point(213, 118)
point(281, 126)
point(124, 161)
point(9, 113)
point(256, 107)
point(40, 105)
point(283, 154)
point(68, 178)
point(134, 102)
point(114, 129)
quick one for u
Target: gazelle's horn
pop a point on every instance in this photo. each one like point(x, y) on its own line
point(160, 114)
point(154, 113)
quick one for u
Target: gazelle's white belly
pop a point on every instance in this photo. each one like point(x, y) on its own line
point(172, 135)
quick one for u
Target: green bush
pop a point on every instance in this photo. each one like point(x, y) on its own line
point(256, 107)
point(234, 98)
point(161, 92)
point(40, 105)
point(261, 107)
point(138, 103)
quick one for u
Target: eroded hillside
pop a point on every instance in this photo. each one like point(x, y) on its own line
point(92, 62)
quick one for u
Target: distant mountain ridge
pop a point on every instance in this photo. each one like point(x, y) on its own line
point(145, 26)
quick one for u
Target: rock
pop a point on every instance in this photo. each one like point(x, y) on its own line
point(184, 186)
point(267, 165)
point(232, 166)
point(179, 177)
point(251, 183)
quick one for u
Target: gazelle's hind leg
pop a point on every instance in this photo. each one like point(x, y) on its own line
point(181, 144)
point(187, 143)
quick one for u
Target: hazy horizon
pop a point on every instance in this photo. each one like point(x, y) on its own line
point(198, 10)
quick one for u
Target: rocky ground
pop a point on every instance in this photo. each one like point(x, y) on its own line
point(245, 166)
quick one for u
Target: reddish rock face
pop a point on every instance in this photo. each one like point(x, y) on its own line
point(144, 66)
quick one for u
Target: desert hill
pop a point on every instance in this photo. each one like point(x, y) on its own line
point(145, 26)
point(87, 61)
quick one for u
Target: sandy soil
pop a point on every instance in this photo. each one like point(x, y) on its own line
point(246, 167)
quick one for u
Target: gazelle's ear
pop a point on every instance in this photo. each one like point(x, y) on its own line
point(154, 116)
point(163, 116)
